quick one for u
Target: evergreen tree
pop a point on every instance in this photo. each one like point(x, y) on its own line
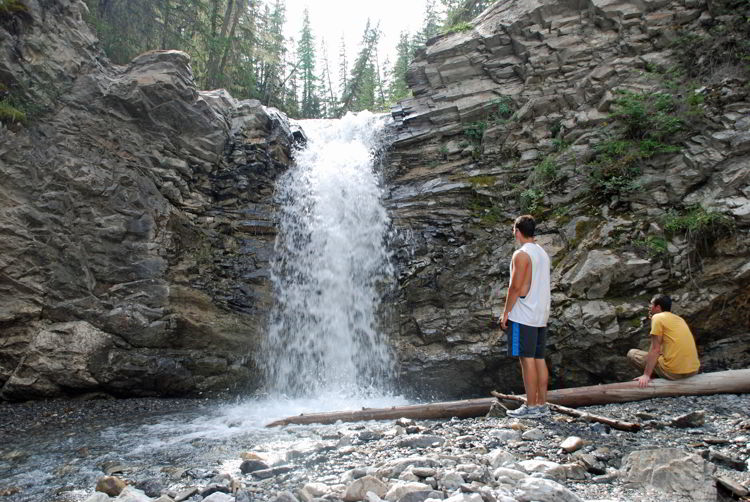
point(398, 88)
point(359, 93)
point(328, 102)
point(343, 67)
point(430, 24)
point(310, 104)
point(462, 11)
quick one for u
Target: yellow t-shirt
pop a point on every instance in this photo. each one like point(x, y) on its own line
point(679, 354)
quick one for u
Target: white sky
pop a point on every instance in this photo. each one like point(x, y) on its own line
point(329, 19)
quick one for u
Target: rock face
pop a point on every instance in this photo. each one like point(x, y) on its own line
point(514, 116)
point(136, 219)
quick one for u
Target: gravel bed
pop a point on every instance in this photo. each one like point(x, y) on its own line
point(57, 450)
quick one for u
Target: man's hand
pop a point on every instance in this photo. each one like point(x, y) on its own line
point(643, 380)
point(504, 321)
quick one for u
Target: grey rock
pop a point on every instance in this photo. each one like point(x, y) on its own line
point(672, 471)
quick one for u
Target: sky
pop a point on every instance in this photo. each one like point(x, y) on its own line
point(329, 19)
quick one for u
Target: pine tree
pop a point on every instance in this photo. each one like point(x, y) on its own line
point(398, 88)
point(310, 104)
point(430, 24)
point(343, 67)
point(359, 93)
point(329, 101)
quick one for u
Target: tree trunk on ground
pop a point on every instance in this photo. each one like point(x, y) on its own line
point(722, 382)
point(463, 409)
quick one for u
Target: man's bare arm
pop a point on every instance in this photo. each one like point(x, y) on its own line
point(651, 359)
point(521, 266)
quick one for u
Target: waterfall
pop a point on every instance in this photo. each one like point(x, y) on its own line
point(330, 265)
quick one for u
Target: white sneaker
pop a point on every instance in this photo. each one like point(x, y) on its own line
point(542, 410)
point(524, 412)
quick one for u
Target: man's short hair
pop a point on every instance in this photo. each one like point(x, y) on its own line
point(526, 225)
point(662, 301)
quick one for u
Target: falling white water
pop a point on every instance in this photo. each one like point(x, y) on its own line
point(330, 265)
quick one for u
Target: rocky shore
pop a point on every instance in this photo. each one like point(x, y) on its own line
point(690, 448)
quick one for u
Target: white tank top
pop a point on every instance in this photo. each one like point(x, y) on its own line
point(533, 309)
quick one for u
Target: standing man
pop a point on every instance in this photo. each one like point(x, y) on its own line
point(525, 316)
point(673, 354)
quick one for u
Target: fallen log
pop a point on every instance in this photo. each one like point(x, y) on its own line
point(722, 382)
point(615, 424)
point(466, 408)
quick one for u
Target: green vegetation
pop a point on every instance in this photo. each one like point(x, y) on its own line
point(475, 130)
point(499, 111)
point(459, 27)
point(9, 114)
point(697, 220)
point(10, 7)
point(653, 245)
point(723, 52)
point(646, 116)
point(482, 181)
point(531, 201)
point(546, 170)
point(648, 124)
point(482, 207)
point(701, 227)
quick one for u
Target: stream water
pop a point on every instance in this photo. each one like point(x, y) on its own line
point(324, 350)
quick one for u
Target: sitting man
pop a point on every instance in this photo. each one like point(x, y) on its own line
point(673, 354)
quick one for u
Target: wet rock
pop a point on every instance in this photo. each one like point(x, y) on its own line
point(185, 494)
point(692, 419)
point(151, 487)
point(110, 485)
point(731, 461)
point(249, 466)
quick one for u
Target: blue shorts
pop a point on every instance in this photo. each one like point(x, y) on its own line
point(526, 341)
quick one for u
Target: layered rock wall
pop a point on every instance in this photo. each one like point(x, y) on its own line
point(515, 115)
point(136, 225)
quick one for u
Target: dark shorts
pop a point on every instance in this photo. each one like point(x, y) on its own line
point(526, 341)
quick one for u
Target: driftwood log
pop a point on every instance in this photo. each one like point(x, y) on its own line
point(722, 382)
point(615, 424)
point(466, 408)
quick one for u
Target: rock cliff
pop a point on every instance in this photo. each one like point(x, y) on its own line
point(137, 213)
point(136, 223)
point(624, 126)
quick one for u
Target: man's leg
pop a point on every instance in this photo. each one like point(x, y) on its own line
point(530, 380)
point(637, 358)
point(542, 380)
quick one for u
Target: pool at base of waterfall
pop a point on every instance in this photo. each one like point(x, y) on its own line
point(57, 450)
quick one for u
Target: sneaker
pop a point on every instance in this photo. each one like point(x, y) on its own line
point(542, 410)
point(524, 412)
